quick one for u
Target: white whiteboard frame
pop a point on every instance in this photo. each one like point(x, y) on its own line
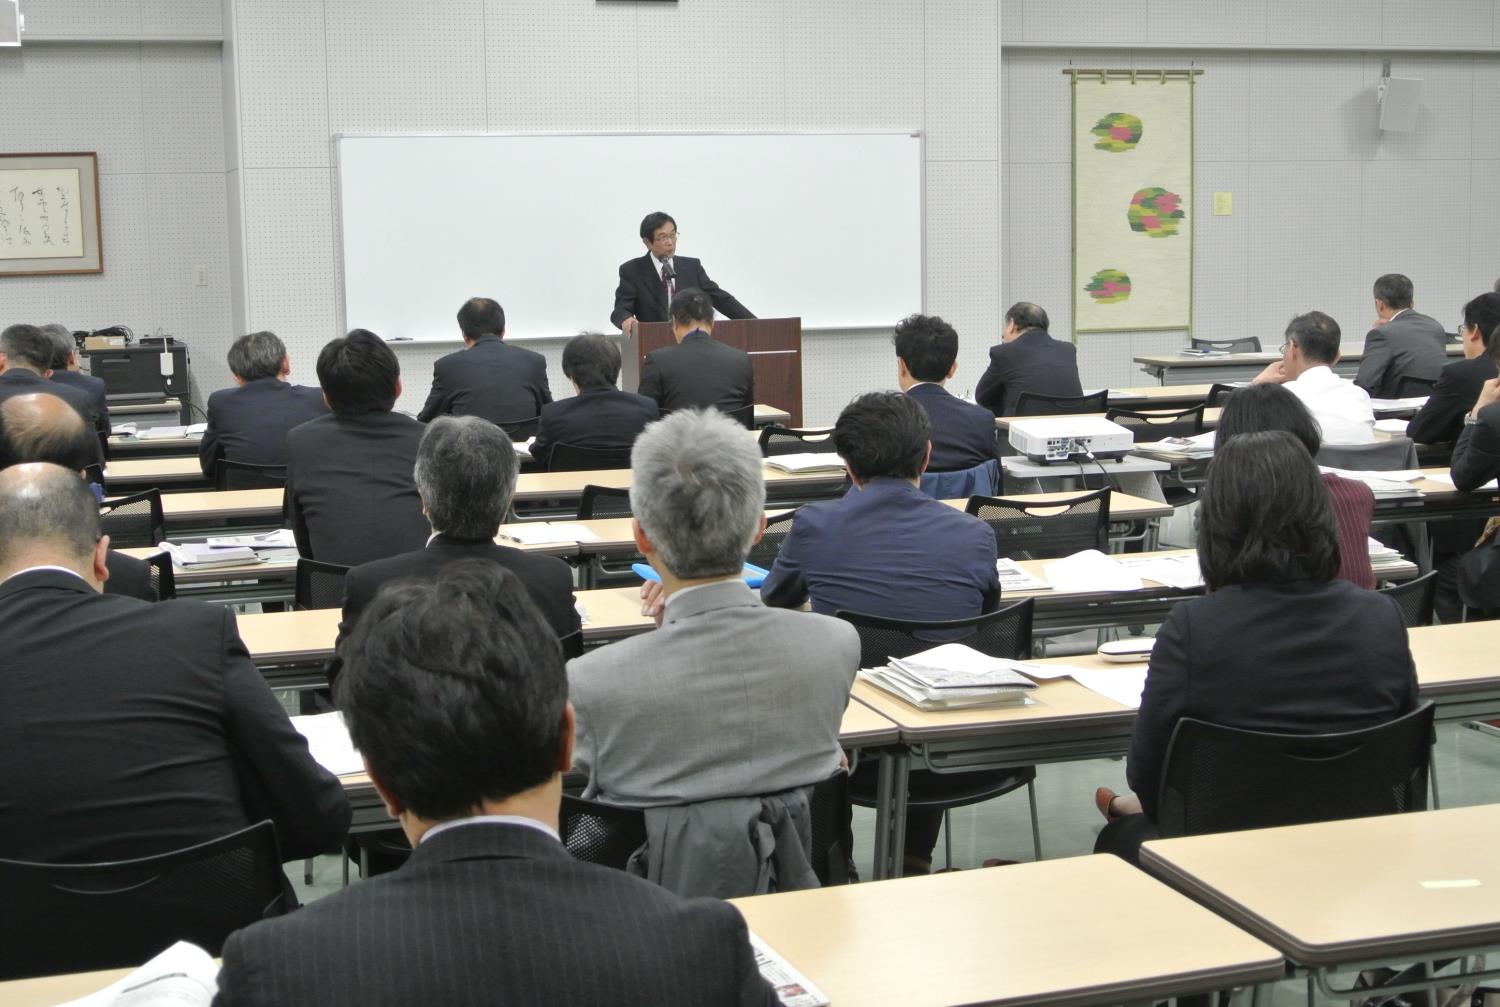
point(338, 200)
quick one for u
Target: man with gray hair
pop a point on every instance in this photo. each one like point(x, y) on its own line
point(65, 372)
point(26, 361)
point(249, 423)
point(727, 698)
point(466, 474)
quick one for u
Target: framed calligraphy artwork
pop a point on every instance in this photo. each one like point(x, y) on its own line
point(49, 214)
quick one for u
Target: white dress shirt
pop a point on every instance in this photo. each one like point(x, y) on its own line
point(454, 823)
point(1341, 408)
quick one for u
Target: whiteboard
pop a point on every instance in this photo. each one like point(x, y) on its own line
point(825, 226)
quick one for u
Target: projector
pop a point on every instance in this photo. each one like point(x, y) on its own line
point(1069, 438)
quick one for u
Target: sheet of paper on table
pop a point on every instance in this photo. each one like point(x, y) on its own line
point(328, 742)
point(1091, 570)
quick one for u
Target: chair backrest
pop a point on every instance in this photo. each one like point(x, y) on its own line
point(79, 917)
point(230, 475)
point(829, 810)
point(519, 430)
point(134, 522)
point(1026, 529)
point(1415, 599)
point(743, 415)
point(1410, 387)
point(603, 501)
point(163, 578)
point(1005, 632)
point(1396, 454)
point(601, 833)
point(319, 585)
point(1153, 425)
point(1249, 344)
point(763, 553)
point(572, 458)
point(1217, 393)
point(572, 645)
point(779, 440)
point(1223, 779)
point(1037, 404)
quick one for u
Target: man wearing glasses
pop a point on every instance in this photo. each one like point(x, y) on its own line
point(1341, 408)
point(648, 284)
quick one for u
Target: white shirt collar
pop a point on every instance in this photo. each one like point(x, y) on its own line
point(431, 537)
point(530, 823)
point(1320, 374)
point(1398, 314)
point(658, 261)
point(45, 566)
point(698, 587)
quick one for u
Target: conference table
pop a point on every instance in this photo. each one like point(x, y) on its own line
point(1224, 368)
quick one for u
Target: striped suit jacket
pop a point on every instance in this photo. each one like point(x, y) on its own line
point(493, 913)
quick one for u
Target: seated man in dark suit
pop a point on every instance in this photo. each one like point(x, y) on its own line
point(65, 372)
point(147, 728)
point(491, 378)
point(465, 475)
point(885, 549)
point(249, 423)
point(600, 417)
point(1027, 360)
point(1441, 420)
point(43, 428)
point(1402, 343)
point(962, 433)
point(349, 492)
point(25, 362)
point(699, 372)
point(648, 284)
point(455, 695)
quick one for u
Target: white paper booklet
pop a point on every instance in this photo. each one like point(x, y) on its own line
point(546, 533)
point(1091, 570)
point(1173, 571)
point(811, 461)
point(197, 555)
point(1121, 683)
point(1013, 577)
point(182, 976)
point(956, 666)
point(1398, 405)
point(793, 989)
point(328, 742)
point(281, 538)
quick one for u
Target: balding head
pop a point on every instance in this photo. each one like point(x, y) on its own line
point(43, 428)
point(50, 519)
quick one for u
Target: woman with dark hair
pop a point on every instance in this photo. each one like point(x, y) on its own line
point(1271, 407)
point(1277, 644)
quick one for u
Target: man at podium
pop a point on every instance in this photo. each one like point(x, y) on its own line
point(648, 284)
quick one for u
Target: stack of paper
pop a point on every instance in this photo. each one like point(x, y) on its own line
point(181, 976)
point(281, 538)
point(1196, 447)
point(811, 461)
point(1391, 485)
point(1014, 577)
point(329, 744)
point(1398, 405)
point(952, 676)
point(198, 555)
point(1121, 683)
point(547, 533)
point(161, 433)
point(792, 988)
point(1091, 570)
point(1171, 571)
point(122, 429)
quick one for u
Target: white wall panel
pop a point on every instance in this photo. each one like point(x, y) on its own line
point(1483, 133)
point(1038, 105)
point(1039, 221)
point(1073, 21)
point(74, 98)
point(854, 64)
point(291, 269)
point(1012, 20)
point(1425, 245)
point(561, 66)
point(196, 18)
point(1484, 244)
point(838, 365)
point(1286, 123)
point(962, 116)
point(1173, 21)
point(1221, 252)
point(963, 258)
point(181, 88)
point(1326, 22)
point(57, 18)
point(1445, 120)
point(737, 53)
point(187, 224)
point(1104, 358)
point(1438, 22)
point(283, 83)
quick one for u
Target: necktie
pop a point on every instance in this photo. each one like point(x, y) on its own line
point(666, 280)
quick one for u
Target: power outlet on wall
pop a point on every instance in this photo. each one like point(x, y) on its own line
point(200, 276)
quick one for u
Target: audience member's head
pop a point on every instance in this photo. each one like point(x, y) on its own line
point(258, 355)
point(1393, 293)
point(591, 360)
point(465, 474)
point(1260, 408)
point(359, 374)
point(691, 309)
point(658, 222)
point(50, 519)
point(1482, 322)
point(26, 347)
point(481, 316)
point(883, 435)
point(1264, 515)
point(927, 346)
point(63, 346)
point(698, 493)
point(1022, 317)
point(43, 428)
point(454, 692)
point(1312, 340)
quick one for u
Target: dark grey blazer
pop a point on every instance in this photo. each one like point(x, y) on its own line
point(1411, 345)
point(1032, 362)
point(494, 379)
point(698, 372)
point(642, 295)
point(97, 393)
point(249, 423)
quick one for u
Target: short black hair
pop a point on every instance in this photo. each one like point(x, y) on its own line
point(691, 305)
point(883, 434)
point(453, 688)
point(63, 438)
point(1395, 290)
point(46, 503)
point(1264, 516)
point(481, 316)
point(1270, 406)
point(591, 360)
point(652, 223)
point(1317, 335)
point(359, 374)
point(1027, 316)
point(928, 345)
point(27, 346)
point(257, 355)
point(1483, 312)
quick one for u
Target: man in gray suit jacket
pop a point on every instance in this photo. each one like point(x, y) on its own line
point(1403, 343)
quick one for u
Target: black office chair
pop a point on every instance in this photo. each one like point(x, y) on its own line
point(230, 475)
point(1218, 393)
point(763, 553)
point(1225, 779)
point(599, 833)
point(135, 521)
point(1153, 425)
point(1005, 633)
point(1024, 530)
point(1037, 404)
point(1415, 599)
point(603, 501)
point(319, 585)
point(779, 440)
point(1249, 344)
point(163, 577)
point(519, 430)
point(79, 917)
point(572, 458)
point(1411, 387)
point(744, 416)
point(829, 809)
point(572, 645)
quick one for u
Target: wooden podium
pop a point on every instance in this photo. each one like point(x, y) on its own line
point(774, 345)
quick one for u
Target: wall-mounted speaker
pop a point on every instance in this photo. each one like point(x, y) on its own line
point(1400, 97)
point(10, 22)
